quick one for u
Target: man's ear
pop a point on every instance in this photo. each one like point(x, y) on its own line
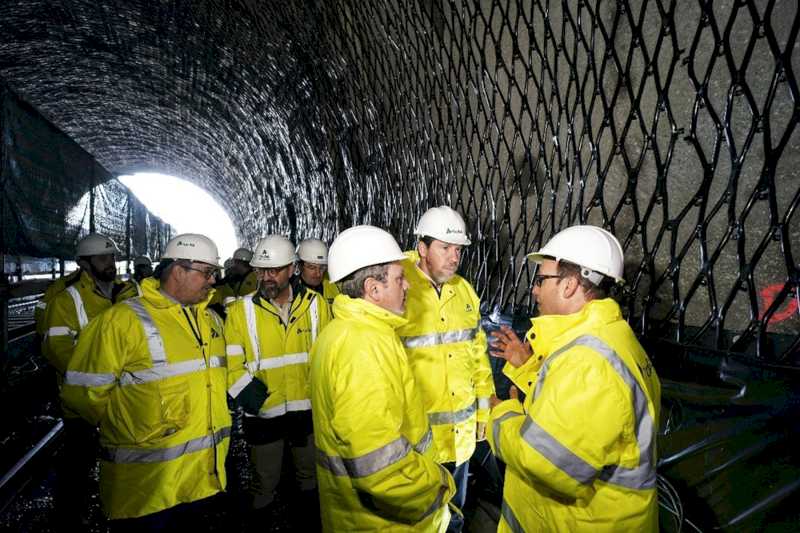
point(422, 249)
point(570, 286)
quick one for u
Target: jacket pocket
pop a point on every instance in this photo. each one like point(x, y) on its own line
point(175, 406)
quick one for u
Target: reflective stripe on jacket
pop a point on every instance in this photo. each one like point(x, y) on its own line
point(446, 349)
point(581, 452)
point(70, 311)
point(376, 469)
point(260, 345)
point(152, 375)
point(51, 292)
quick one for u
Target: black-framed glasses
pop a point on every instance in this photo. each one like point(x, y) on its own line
point(272, 271)
point(538, 279)
point(210, 273)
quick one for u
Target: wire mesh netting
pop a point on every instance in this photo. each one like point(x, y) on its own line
point(673, 124)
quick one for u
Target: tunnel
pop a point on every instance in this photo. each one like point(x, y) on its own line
point(671, 124)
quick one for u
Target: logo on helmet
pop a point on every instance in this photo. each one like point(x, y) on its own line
point(451, 230)
point(181, 243)
point(265, 254)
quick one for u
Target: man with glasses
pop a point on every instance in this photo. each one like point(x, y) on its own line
point(269, 335)
point(151, 373)
point(581, 450)
point(312, 267)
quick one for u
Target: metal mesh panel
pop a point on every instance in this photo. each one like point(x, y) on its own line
point(672, 124)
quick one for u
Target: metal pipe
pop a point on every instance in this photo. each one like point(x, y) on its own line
point(31, 453)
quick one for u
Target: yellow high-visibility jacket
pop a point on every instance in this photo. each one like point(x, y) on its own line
point(51, 292)
point(152, 375)
point(329, 289)
point(446, 349)
point(70, 311)
point(259, 345)
point(581, 452)
point(376, 466)
point(227, 293)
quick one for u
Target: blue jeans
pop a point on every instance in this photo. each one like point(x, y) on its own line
point(460, 475)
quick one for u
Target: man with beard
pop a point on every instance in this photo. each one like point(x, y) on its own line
point(93, 290)
point(377, 464)
point(142, 268)
point(269, 335)
point(312, 267)
point(240, 279)
point(446, 346)
point(151, 373)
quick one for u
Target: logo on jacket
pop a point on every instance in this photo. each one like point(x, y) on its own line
point(469, 308)
point(214, 334)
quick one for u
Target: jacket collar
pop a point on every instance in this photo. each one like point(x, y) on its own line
point(547, 330)
point(362, 310)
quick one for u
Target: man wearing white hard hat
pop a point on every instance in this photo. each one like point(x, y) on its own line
point(240, 279)
point(94, 289)
point(151, 373)
point(142, 268)
point(446, 345)
point(376, 466)
point(269, 334)
point(312, 266)
point(581, 450)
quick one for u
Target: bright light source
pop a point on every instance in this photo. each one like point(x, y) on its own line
point(184, 206)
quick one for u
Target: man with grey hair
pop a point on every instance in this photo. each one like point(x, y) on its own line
point(376, 465)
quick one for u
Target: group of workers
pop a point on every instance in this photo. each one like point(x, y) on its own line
point(364, 366)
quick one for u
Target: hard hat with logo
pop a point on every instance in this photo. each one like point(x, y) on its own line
point(443, 224)
point(359, 247)
point(96, 244)
point(243, 254)
point(194, 247)
point(591, 247)
point(142, 260)
point(313, 251)
point(273, 251)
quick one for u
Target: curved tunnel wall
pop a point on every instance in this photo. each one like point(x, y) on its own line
point(673, 124)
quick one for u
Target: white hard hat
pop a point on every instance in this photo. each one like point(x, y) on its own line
point(443, 224)
point(193, 247)
point(273, 251)
point(243, 254)
point(359, 247)
point(313, 251)
point(588, 246)
point(142, 260)
point(96, 244)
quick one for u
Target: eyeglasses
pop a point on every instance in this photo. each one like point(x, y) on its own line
point(272, 271)
point(538, 279)
point(210, 273)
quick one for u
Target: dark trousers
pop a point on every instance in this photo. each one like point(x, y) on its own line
point(190, 516)
point(460, 475)
point(75, 472)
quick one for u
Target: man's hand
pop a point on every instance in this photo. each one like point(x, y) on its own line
point(506, 345)
point(513, 394)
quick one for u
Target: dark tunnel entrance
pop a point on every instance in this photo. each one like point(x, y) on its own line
point(671, 124)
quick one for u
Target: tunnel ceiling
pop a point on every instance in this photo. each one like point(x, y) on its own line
point(673, 124)
point(221, 93)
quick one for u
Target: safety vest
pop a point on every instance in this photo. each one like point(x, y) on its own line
point(376, 465)
point(259, 344)
point(152, 375)
point(581, 451)
point(446, 349)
